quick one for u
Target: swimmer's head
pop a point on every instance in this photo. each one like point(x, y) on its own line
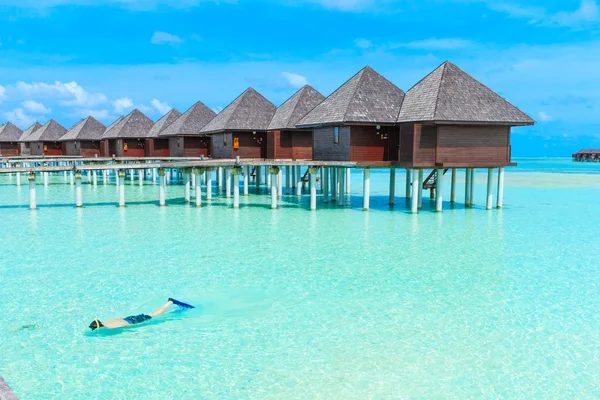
point(95, 325)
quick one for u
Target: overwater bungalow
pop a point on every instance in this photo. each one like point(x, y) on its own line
point(9, 139)
point(45, 140)
point(155, 145)
point(83, 139)
point(241, 128)
point(26, 146)
point(357, 122)
point(127, 137)
point(284, 140)
point(587, 155)
point(450, 120)
point(185, 139)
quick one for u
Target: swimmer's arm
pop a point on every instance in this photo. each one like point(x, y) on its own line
point(115, 323)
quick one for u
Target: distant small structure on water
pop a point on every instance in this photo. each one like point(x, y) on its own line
point(587, 155)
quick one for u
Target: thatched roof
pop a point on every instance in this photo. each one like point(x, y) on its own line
point(296, 107)
point(52, 131)
point(87, 129)
point(449, 94)
point(9, 132)
point(29, 131)
point(249, 112)
point(366, 98)
point(191, 122)
point(163, 123)
point(135, 125)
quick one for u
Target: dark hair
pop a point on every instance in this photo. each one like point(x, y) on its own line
point(95, 325)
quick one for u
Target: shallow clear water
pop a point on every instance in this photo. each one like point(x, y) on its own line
point(337, 303)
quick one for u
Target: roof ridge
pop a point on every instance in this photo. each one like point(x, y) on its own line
point(437, 97)
point(361, 72)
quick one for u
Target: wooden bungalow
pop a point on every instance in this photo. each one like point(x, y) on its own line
point(357, 122)
point(155, 145)
point(26, 146)
point(241, 128)
point(83, 139)
point(284, 140)
point(9, 139)
point(103, 142)
point(45, 140)
point(185, 139)
point(127, 137)
point(450, 120)
point(587, 155)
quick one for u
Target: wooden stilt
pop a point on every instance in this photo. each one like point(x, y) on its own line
point(366, 189)
point(453, 187)
point(490, 187)
point(78, 197)
point(500, 200)
point(392, 185)
point(439, 190)
point(121, 188)
point(32, 196)
point(313, 187)
point(419, 188)
point(415, 192)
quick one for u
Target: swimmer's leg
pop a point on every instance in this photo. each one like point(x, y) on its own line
point(161, 309)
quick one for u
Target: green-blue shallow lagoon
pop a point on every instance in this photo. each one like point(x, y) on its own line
point(332, 304)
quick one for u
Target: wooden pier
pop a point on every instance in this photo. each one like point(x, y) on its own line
point(332, 178)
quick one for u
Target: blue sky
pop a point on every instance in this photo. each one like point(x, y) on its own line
point(66, 59)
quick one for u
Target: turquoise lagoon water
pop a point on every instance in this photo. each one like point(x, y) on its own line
point(333, 304)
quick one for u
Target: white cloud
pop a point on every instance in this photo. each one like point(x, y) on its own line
point(587, 13)
point(435, 44)
point(345, 5)
point(123, 104)
point(2, 92)
point(544, 117)
point(165, 38)
point(295, 80)
point(363, 43)
point(99, 114)
point(19, 118)
point(161, 107)
point(36, 107)
point(217, 109)
point(73, 94)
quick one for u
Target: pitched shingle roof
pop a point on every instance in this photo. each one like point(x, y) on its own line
point(249, 112)
point(29, 131)
point(9, 132)
point(296, 107)
point(87, 129)
point(449, 94)
point(163, 123)
point(191, 122)
point(135, 125)
point(366, 98)
point(52, 131)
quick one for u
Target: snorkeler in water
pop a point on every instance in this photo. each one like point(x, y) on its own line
point(136, 319)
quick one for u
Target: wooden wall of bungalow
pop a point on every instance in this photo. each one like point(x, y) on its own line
point(125, 147)
point(46, 149)
point(415, 145)
point(189, 146)
point(83, 148)
point(157, 147)
point(454, 146)
point(290, 144)
point(375, 144)
point(243, 144)
point(10, 149)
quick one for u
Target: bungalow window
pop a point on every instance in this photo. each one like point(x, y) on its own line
point(336, 135)
point(225, 140)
